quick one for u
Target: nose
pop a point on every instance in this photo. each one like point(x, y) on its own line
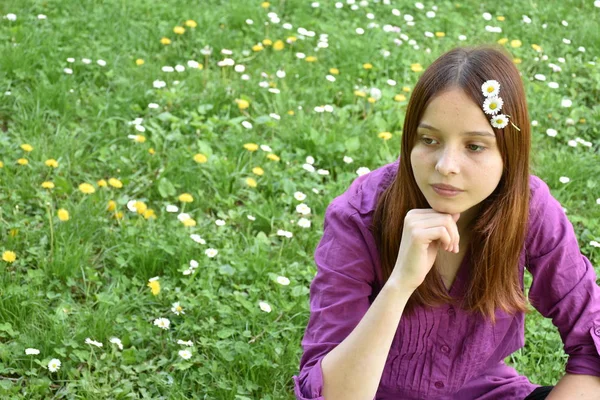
point(448, 162)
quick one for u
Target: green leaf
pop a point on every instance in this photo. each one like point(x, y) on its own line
point(225, 333)
point(166, 188)
point(352, 144)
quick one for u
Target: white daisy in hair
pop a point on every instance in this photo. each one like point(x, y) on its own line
point(499, 121)
point(492, 105)
point(490, 88)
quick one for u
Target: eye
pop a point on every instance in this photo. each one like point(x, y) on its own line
point(473, 147)
point(481, 148)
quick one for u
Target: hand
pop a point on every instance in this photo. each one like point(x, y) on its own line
point(424, 232)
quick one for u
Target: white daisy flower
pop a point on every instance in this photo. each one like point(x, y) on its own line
point(188, 271)
point(172, 208)
point(177, 309)
point(183, 217)
point(492, 105)
point(303, 209)
point(499, 121)
point(540, 77)
point(299, 196)
point(131, 205)
point(68, 71)
point(322, 172)
point(54, 365)
point(348, 160)
point(86, 61)
point(211, 253)
point(101, 63)
point(304, 223)
point(196, 238)
point(266, 148)
point(251, 217)
point(41, 16)
point(220, 222)
point(162, 323)
point(246, 124)
point(117, 341)
point(159, 84)
point(282, 280)
point(362, 171)
point(593, 242)
point(179, 68)
point(265, 306)
point(564, 179)
point(281, 232)
point(566, 103)
point(90, 341)
point(153, 279)
point(551, 132)
point(31, 351)
point(308, 167)
point(185, 354)
point(188, 343)
point(490, 88)
point(153, 105)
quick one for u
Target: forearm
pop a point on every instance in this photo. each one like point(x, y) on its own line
point(580, 387)
point(353, 369)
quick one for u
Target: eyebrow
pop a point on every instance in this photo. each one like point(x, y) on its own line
point(471, 133)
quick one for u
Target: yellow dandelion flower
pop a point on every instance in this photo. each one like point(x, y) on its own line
point(258, 171)
point(371, 100)
point(360, 93)
point(582, 120)
point(273, 157)
point(51, 162)
point(251, 146)
point(310, 59)
point(399, 97)
point(112, 205)
point(165, 41)
point(536, 47)
point(200, 158)
point(278, 45)
point(517, 60)
point(139, 62)
point(139, 138)
point(9, 256)
point(27, 147)
point(48, 185)
point(334, 71)
point(149, 214)
point(86, 188)
point(500, 18)
point(190, 23)
point(118, 215)
point(251, 182)
point(189, 222)
point(367, 66)
point(102, 183)
point(503, 41)
point(63, 214)
point(242, 104)
point(291, 39)
point(180, 30)
point(14, 232)
point(151, 151)
point(384, 135)
point(186, 198)
point(416, 67)
point(267, 42)
point(265, 4)
point(406, 89)
point(140, 207)
point(1, 164)
point(22, 161)
point(154, 287)
point(257, 47)
point(291, 112)
point(440, 34)
point(515, 43)
point(114, 182)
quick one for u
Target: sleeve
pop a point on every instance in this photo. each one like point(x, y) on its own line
point(564, 284)
point(339, 294)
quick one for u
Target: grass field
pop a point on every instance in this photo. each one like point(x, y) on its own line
point(199, 143)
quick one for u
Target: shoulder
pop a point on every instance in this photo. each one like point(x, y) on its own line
point(361, 196)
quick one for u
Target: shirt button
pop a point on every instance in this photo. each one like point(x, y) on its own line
point(597, 331)
point(445, 349)
point(439, 384)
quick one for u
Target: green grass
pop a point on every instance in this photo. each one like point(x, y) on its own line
point(87, 277)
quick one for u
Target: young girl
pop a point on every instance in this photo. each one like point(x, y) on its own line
point(419, 289)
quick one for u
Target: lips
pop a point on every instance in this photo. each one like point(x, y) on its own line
point(447, 187)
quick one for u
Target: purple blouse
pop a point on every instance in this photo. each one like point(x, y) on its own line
point(442, 353)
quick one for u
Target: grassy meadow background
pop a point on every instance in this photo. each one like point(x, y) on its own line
point(161, 152)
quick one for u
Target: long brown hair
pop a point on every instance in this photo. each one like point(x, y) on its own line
point(500, 228)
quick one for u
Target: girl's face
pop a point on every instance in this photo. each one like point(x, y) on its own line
point(448, 151)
